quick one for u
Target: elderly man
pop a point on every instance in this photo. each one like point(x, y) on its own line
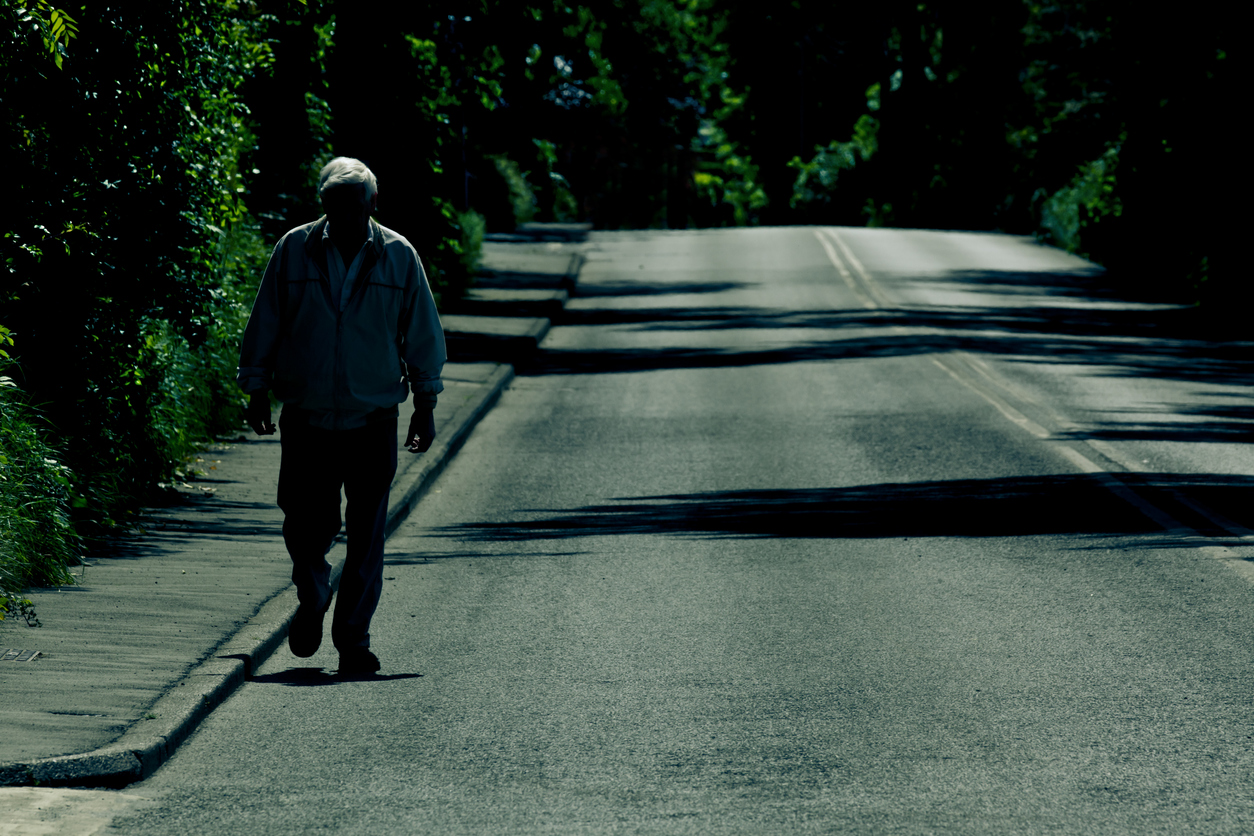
point(343, 327)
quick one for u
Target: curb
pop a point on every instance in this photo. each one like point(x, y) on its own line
point(413, 482)
point(507, 326)
point(518, 303)
point(473, 338)
point(176, 714)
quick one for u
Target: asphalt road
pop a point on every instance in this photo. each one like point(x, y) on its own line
point(786, 532)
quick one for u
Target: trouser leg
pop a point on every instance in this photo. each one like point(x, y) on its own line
point(368, 477)
point(309, 495)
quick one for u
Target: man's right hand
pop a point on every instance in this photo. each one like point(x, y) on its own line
point(421, 431)
point(257, 413)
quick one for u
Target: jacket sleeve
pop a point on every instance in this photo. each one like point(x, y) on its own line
point(261, 335)
point(422, 337)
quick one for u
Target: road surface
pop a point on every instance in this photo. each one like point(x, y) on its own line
point(796, 530)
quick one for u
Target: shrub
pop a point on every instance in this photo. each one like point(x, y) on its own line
point(37, 543)
point(473, 228)
point(1085, 201)
point(521, 196)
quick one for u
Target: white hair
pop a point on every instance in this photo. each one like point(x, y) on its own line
point(344, 170)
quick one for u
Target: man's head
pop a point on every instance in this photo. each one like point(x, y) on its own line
point(349, 192)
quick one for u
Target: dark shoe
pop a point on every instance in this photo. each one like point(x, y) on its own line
point(358, 660)
point(304, 636)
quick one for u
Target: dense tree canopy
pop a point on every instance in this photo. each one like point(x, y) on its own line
point(1080, 121)
point(156, 150)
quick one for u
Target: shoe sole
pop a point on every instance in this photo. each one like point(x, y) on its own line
point(306, 647)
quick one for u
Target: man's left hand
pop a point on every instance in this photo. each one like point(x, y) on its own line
point(421, 431)
point(257, 413)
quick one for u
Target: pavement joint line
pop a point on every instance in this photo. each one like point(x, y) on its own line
point(998, 392)
point(571, 277)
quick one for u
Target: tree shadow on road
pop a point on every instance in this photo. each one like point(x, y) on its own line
point(1074, 504)
point(1099, 331)
point(630, 289)
point(1201, 423)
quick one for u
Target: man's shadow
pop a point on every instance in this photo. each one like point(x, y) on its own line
point(305, 677)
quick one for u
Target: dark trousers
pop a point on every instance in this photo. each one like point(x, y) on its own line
point(316, 464)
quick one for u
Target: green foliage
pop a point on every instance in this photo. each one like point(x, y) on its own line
point(1086, 200)
point(132, 184)
point(473, 228)
point(725, 178)
point(156, 151)
point(37, 542)
point(563, 206)
point(55, 26)
point(817, 179)
point(24, 608)
point(521, 197)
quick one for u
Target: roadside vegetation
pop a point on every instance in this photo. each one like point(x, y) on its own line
point(156, 151)
point(37, 543)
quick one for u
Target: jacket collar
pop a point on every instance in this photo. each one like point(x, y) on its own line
point(315, 247)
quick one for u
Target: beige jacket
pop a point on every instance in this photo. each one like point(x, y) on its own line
point(343, 365)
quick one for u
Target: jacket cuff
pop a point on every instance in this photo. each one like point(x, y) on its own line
point(425, 400)
point(426, 384)
point(253, 381)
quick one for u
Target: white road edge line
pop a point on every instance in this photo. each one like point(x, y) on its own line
point(1000, 405)
point(1223, 554)
point(1102, 448)
point(1083, 462)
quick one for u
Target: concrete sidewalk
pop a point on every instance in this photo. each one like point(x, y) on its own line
point(163, 626)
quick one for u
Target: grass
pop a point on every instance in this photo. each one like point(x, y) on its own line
point(37, 542)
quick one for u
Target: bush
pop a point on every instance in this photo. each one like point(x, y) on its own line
point(473, 228)
point(126, 170)
point(37, 543)
point(521, 196)
point(1085, 201)
point(562, 206)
